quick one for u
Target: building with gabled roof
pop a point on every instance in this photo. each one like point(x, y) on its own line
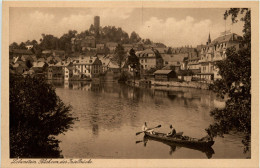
point(19, 52)
point(216, 51)
point(19, 67)
point(150, 58)
point(164, 75)
point(88, 66)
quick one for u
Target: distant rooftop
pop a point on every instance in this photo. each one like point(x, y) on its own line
point(162, 72)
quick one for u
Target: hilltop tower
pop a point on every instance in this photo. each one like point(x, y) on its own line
point(96, 24)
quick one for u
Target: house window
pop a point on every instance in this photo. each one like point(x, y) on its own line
point(142, 61)
point(66, 76)
point(145, 60)
point(145, 66)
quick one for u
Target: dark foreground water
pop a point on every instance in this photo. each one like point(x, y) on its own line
point(110, 114)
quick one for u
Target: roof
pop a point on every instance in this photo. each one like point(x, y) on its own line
point(19, 63)
point(199, 47)
point(49, 59)
point(100, 44)
point(70, 68)
point(50, 65)
point(149, 45)
point(25, 57)
point(86, 60)
point(38, 64)
point(169, 67)
point(46, 52)
point(226, 38)
point(195, 71)
point(173, 57)
point(146, 51)
point(205, 73)
point(16, 65)
point(162, 72)
point(41, 59)
point(15, 59)
point(30, 72)
point(34, 57)
point(111, 44)
point(161, 50)
point(112, 65)
point(58, 51)
point(61, 63)
point(127, 45)
point(21, 51)
point(57, 58)
point(105, 61)
point(90, 38)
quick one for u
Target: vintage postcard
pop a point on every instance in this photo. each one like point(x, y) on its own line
point(130, 84)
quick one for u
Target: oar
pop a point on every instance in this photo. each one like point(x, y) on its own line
point(138, 142)
point(148, 130)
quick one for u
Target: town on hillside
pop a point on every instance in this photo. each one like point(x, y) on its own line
point(127, 82)
point(91, 55)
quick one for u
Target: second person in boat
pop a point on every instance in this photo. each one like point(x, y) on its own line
point(172, 133)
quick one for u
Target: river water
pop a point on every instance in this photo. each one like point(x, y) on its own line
point(110, 114)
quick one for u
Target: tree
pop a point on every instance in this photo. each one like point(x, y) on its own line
point(36, 116)
point(22, 46)
point(28, 63)
point(161, 45)
point(169, 51)
point(65, 41)
point(235, 71)
point(147, 41)
point(92, 29)
point(133, 61)
point(14, 45)
point(150, 71)
point(49, 42)
point(119, 56)
point(134, 37)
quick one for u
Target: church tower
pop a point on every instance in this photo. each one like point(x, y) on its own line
point(209, 39)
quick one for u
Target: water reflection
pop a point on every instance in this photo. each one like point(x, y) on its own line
point(175, 146)
point(110, 114)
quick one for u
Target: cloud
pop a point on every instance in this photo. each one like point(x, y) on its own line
point(112, 13)
point(31, 26)
point(188, 31)
point(176, 32)
point(171, 31)
point(77, 22)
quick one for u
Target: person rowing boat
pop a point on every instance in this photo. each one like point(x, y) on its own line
point(146, 129)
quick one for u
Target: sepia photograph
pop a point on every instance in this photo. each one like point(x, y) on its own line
point(140, 82)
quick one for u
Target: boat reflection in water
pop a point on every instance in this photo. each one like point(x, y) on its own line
point(175, 146)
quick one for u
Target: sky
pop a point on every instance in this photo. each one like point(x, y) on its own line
point(174, 27)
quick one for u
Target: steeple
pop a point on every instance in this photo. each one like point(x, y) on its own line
point(209, 39)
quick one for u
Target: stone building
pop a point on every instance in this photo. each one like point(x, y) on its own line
point(216, 51)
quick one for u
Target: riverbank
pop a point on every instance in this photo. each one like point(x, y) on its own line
point(191, 84)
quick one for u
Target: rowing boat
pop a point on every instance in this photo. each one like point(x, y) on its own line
point(204, 149)
point(187, 142)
